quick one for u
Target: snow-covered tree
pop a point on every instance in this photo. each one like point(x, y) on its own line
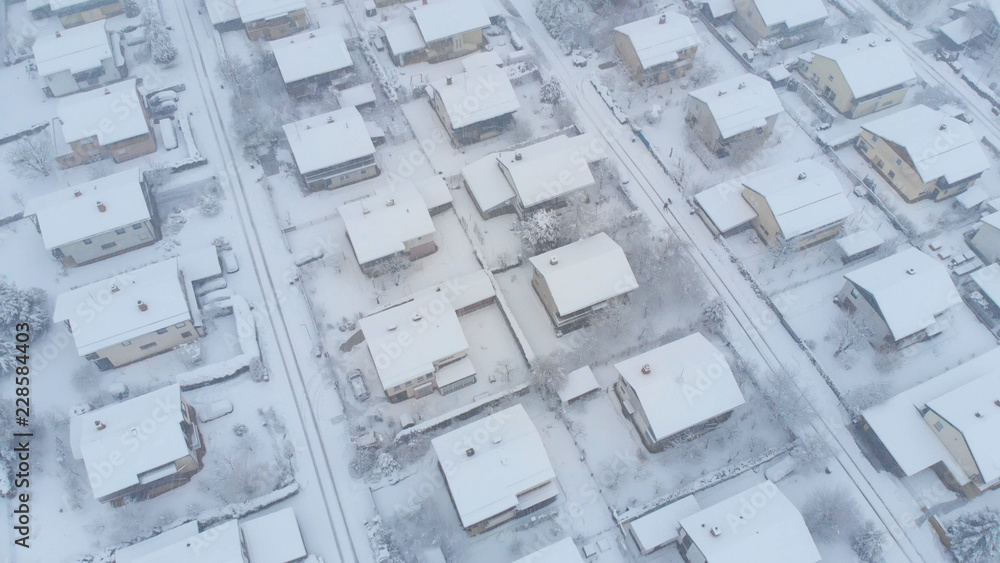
point(393, 266)
point(548, 375)
point(848, 330)
point(19, 306)
point(975, 537)
point(132, 8)
point(703, 73)
point(161, 45)
point(789, 404)
point(780, 250)
point(713, 316)
point(539, 231)
point(867, 543)
point(238, 75)
point(254, 123)
point(551, 92)
point(209, 205)
point(831, 513)
point(31, 156)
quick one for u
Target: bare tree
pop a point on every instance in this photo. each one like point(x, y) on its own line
point(392, 266)
point(703, 73)
point(31, 156)
point(239, 75)
point(789, 404)
point(831, 513)
point(848, 330)
point(780, 251)
point(868, 542)
point(548, 375)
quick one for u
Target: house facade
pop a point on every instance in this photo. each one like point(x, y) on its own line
point(732, 112)
point(986, 241)
point(273, 19)
point(658, 48)
point(436, 30)
point(786, 19)
point(475, 105)
point(72, 13)
point(112, 122)
point(333, 149)
point(77, 59)
point(312, 62)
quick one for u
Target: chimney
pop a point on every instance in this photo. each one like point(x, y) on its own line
point(392, 328)
point(911, 271)
point(142, 305)
point(107, 92)
point(943, 127)
point(742, 85)
point(553, 260)
point(99, 425)
point(979, 415)
point(518, 156)
point(997, 402)
point(417, 317)
point(802, 176)
point(447, 78)
point(390, 202)
point(498, 439)
point(425, 2)
point(114, 288)
point(663, 19)
point(844, 39)
point(58, 34)
point(77, 193)
point(716, 531)
point(722, 92)
point(312, 36)
point(101, 207)
point(471, 451)
point(872, 44)
point(646, 369)
point(329, 119)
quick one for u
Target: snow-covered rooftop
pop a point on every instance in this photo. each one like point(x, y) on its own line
point(988, 280)
point(312, 53)
point(993, 220)
point(113, 113)
point(439, 19)
point(659, 39)
point(803, 196)
point(138, 550)
point(861, 241)
point(725, 207)
point(476, 96)
point(719, 8)
point(974, 410)
point(407, 340)
point(775, 533)
point(689, 382)
point(274, 537)
point(972, 197)
point(869, 63)
point(379, 225)
point(507, 460)
point(75, 49)
point(133, 437)
point(402, 35)
point(64, 217)
point(435, 191)
point(463, 291)
point(579, 382)
point(662, 525)
point(585, 273)
point(937, 144)
point(481, 59)
point(254, 10)
point(792, 13)
point(219, 544)
point(910, 289)
point(960, 30)
point(356, 96)
point(222, 11)
point(740, 104)
point(329, 139)
point(563, 551)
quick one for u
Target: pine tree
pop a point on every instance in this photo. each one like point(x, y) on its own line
point(19, 306)
point(975, 537)
point(132, 8)
point(867, 543)
point(160, 43)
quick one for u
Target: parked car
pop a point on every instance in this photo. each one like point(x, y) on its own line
point(163, 111)
point(162, 97)
point(358, 385)
point(168, 133)
point(229, 263)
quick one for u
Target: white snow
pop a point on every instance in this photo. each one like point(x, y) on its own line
point(435, 191)
point(312, 53)
point(480, 60)
point(402, 35)
point(439, 19)
point(960, 30)
point(382, 224)
point(662, 525)
point(972, 409)
point(274, 537)
point(988, 281)
point(219, 544)
point(476, 96)
point(972, 197)
point(222, 11)
point(356, 96)
point(792, 13)
point(859, 242)
point(113, 113)
point(720, 8)
point(137, 551)
point(578, 383)
point(328, 139)
point(563, 551)
point(800, 204)
point(76, 49)
point(740, 104)
point(869, 63)
point(463, 291)
point(254, 10)
point(725, 206)
point(660, 39)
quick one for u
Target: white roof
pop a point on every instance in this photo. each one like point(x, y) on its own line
point(689, 382)
point(431, 327)
point(463, 291)
point(939, 145)
point(75, 49)
point(63, 217)
point(253, 10)
point(356, 95)
point(563, 551)
point(585, 273)
point(222, 11)
point(434, 190)
point(542, 176)
point(579, 382)
point(476, 96)
point(988, 280)
point(960, 30)
point(869, 63)
point(313, 53)
point(725, 206)
point(100, 316)
point(508, 460)
point(112, 113)
point(274, 537)
point(656, 43)
point(481, 59)
point(720, 8)
point(378, 226)
point(908, 302)
point(972, 409)
point(329, 139)
point(972, 197)
point(792, 13)
point(800, 206)
point(740, 104)
point(438, 19)
point(859, 242)
point(662, 525)
point(775, 533)
point(158, 444)
point(993, 220)
point(220, 544)
point(132, 553)
point(402, 34)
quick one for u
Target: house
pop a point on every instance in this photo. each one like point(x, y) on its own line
point(78, 58)
point(775, 532)
point(739, 110)
point(137, 314)
point(476, 105)
point(661, 527)
point(387, 225)
point(563, 551)
point(273, 538)
point(333, 149)
point(579, 383)
point(923, 153)
point(575, 280)
point(677, 392)
point(900, 297)
point(436, 30)
point(856, 246)
point(801, 204)
point(72, 13)
point(968, 23)
point(984, 293)
point(859, 76)
point(413, 342)
point(313, 61)
point(657, 48)
point(947, 424)
point(986, 241)
point(96, 219)
point(272, 19)
point(129, 459)
point(717, 11)
point(496, 469)
point(112, 122)
point(790, 20)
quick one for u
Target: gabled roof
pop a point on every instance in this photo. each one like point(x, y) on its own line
point(689, 382)
point(113, 113)
point(403, 35)
point(219, 544)
point(222, 11)
point(75, 49)
point(476, 96)
point(274, 537)
point(659, 39)
point(508, 459)
point(719, 8)
point(328, 139)
point(973, 409)
point(938, 145)
point(740, 104)
point(909, 288)
point(64, 217)
point(254, 10)
point(993, 220)
point(438, 19)
point(792, 13)
point(585, 273)
point(803, 197)
point(563, 551)
point(313, 53)
point(869, 63)
point(378, 226)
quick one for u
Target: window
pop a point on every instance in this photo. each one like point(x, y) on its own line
point(180, 325)
point(119, 231)
point(899, 161)
point(147, 346)
point(109, 245)
point(938, 425)
point(161, 331)
point(127, 343)
point(345, 177)
point(186, 334)
point(137, 226)
point(87, 241)
point(397, 388)
point(892, 174)
point(874, 138)
point(830, 78)
point(855, 294)
point(863, 146)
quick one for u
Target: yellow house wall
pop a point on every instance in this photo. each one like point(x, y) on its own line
point(954, 441)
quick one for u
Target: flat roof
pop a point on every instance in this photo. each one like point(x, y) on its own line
point(861, 241)
point(740, 104)
point(274, 537)
point(439, 19)
point(662, 525)
point(725, 207)
point(579, 382)
point(75, 49)
point(254, 10)
point(870, 63)
point(435, 191)
point(402, 35)
point(481, 59)
point(112, 113)
point(792, 13)
point(132, 553)
point(219, 544)
point(974, 410)
point(222, 11)
point(658, 39)
point(988, 280)
point(585, 273)
point(355, 96)
point(476, 96)
point(960, 30)
point(993, 220)
point(328, 139)
point(313, 53)
point(380, 225)
point(803, 197)
point(563, 551)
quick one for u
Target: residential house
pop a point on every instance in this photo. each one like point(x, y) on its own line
point(111, 122)
point(72, 13)
point(968, 23)
point(717, 11)
point(129, 459)
point(578, 279)
point(736, 111)
point(333, 149)
point(388, 225)
point(789, 20)
point(677, 392)
point(78, 58)
point(900, 297)
point(496, 469)
point(859, 76)
point(476, 105)
point(436, 30)
point(986, 241)
point(272, 19)
point(657, 48)
point(775, 533)
point(923, 153)
point(661, 527)
point(96, 219)
point(313, 61)
point(413, 342)
point(562, 551)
